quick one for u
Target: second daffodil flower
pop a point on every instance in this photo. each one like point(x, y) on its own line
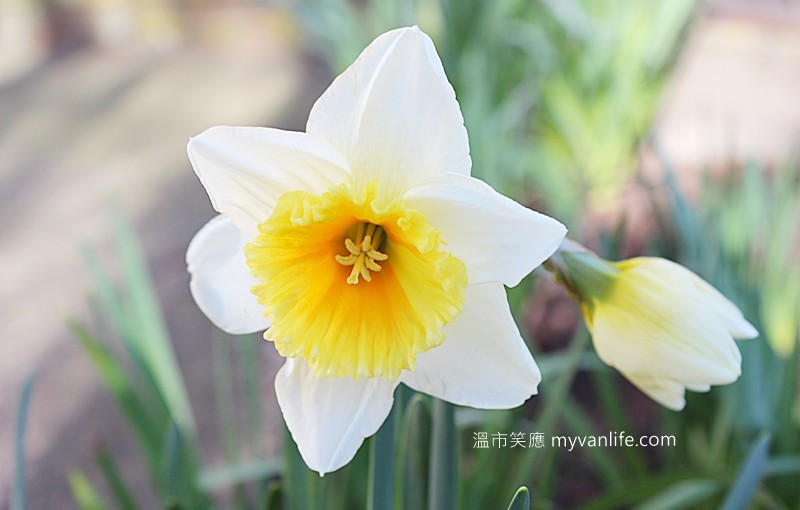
point(368, 251)
point(662, 326)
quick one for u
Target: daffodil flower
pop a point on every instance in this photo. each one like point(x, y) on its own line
point(367, 252)
point(662, 326)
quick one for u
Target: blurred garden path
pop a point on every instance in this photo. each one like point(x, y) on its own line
point(735, 95)
point(109, 127)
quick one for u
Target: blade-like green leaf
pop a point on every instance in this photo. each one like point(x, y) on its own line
point(119, 489)
point(145, 429)
point(442, 488)
point(556, 394)
point(219, 478)
point(18, 501)
point(174, 468)
point(250, 351)
point(521, 500)
point(606, 467)
point(641, 489)
point(380, 491)
point(415, 450)
point(272, 497)
point(148, 332)
point(685, 494)
point(296, 475)
point(749, 477)
point(783, 466)
point(84, 493)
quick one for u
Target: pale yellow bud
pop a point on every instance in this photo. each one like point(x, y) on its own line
point(662, 326)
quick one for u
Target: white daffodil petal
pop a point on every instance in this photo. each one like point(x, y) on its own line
point(221, 280)
point(483, 361)
point(329, 418)
point(648, 350)
point(394, 115)
point(246, 169)
point(668, 393)
point(727, 312)
point(496, 238)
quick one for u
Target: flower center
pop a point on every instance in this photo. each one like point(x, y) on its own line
point(313, 291)
point(364, 256)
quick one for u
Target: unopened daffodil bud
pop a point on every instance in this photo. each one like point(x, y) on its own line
point(662, 326)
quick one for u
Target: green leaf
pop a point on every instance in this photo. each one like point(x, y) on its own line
point(219, 478)
point(272, 498)
point(521, 500)
point(18, 501)
point(606, 467)
point(443, 468)
point(643, 488)
point(783, 466)
point(174, 469)
point(250, 350)
point(224, 395)
point(749, 477)
point(84, 493)
point(114, 377)
point(380, 491)
point(415, 451)
point(684, 494)
point(148, 332)
point(296, 475)
point(555, 395)
point(119, 489)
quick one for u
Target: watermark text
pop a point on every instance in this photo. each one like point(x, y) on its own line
point(539, 440)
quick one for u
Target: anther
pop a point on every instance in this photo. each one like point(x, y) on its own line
point(363, 252)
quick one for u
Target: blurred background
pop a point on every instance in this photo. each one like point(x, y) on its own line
point(647, 127)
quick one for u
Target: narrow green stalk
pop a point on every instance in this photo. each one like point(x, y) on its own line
point(442, 481)
point(18, 497)
point(296, 485)
point(381, 466)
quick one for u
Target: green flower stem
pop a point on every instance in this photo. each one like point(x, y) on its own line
point(442, 481)
point(381, 466)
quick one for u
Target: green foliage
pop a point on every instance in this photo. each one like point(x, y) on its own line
point(137, 365)
point(599, 97)
point(754, 212)
point(723, 238)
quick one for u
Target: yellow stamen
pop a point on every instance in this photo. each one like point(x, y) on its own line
point(364, 255)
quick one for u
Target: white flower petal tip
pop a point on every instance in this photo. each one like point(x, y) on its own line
point(663, 327)
point(220, 279)
point(393, 114)
point(514, 239)
point(670, 394)
point(330, 418)
point(483, 362)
